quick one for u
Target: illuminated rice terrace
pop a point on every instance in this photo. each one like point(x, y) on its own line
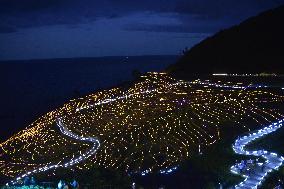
point(149, 127)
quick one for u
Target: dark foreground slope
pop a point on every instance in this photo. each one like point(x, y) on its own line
point(256, 45)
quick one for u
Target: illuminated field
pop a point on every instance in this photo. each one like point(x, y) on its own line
point(149, 127)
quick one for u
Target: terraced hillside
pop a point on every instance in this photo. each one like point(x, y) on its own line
point(151, 126)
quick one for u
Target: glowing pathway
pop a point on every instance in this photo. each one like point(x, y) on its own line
point(79, 159)
point(260, 171)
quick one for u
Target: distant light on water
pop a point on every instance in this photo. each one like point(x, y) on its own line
point(248, 74)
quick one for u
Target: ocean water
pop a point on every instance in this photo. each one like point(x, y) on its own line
point(31, 88)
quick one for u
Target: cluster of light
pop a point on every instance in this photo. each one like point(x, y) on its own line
point(149, 127)
point(273, 161)
point(228, 85)
point(168, 170)
point(248, 75)
point(165, 172)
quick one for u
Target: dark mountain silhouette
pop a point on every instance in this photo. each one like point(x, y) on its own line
point(256, 45)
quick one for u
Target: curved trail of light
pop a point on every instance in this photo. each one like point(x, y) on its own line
point(273, 161)
point(79, 159)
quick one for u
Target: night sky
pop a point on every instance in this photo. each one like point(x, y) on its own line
point(32, 29)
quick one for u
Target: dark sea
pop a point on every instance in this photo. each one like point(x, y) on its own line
point(31, 88)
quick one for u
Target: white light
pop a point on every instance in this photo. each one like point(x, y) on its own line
point(238, 147)
point(220, 74)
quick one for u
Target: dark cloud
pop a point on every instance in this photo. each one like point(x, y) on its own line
point(15, 14)
point(217, 9)
point(7, 29)
point(17, 6)
point(193, 28)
